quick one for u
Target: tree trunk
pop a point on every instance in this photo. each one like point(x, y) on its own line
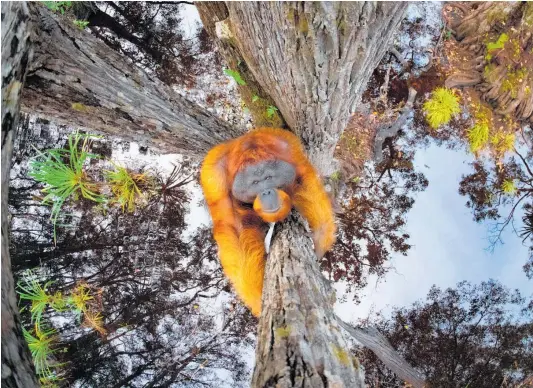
point(17, 366)
point(76, 79)
point(300, 343)
point(504, 82)
point(313, 59)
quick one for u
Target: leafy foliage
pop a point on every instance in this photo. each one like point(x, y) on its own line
point(79, 298)
point(65, 179)
point(31, 290)
point(371, 226)
point(509, 187)
point(235, 75)
point(271, 111)
point(441, 107)
point(503, 142)
point(81, 24)
point(496, 45)
point(41, 344)
point(502, 187)
point(61, 6)
point(94, 320)
point(478, 136)
point(513, 81)
point(462, 337)
point(527, 229)
point(125, 186)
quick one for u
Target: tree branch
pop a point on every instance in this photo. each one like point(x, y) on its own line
point(17, 366)
point(79, 81)
point(399, 57)
point(371, 338)
point(525, 163)
point(385, 132)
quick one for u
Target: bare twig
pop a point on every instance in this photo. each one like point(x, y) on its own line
point(436, 50)
point(389, 131)
point(524, 161)
point(460, 6)
point(384, 89)
point(400, 58)
point(432, 55)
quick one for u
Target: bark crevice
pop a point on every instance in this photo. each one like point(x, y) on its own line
point(75, 79)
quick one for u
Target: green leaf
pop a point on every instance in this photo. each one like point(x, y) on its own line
point(125, 186)
point(271, 111)
point(60, 6)
point(499, 44)
point(255, 98)
point(62, 173)
point(441, 107)
point(235, 75)
point(81, 24)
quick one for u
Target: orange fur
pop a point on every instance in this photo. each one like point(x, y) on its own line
point(238, 231)
point(281, 214)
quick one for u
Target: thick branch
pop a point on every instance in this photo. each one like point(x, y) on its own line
point(17, 367)
point(371, 338)
point(78, 80)
point(312, 58)
point(389, 131)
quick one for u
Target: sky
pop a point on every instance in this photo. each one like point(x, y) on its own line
point(448, 246)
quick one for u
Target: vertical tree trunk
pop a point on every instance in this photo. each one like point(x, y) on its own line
point(313, 59)
point(76, 79)
point(17, 366)
point(300, 343)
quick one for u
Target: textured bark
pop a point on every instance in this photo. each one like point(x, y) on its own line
point(17, 367)
point(392, 130)
point(313, 59)
point(76, 79)
point(496, 81)
point(300, 343)
point(371, 338)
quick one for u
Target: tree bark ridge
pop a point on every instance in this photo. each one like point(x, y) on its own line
point(77, 80)
point(17, 366)
point(299, 341)
point(313, 59)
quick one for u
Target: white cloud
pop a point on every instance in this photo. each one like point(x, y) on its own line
point(448, 246)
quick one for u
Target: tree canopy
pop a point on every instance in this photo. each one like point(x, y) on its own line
point(470, 335)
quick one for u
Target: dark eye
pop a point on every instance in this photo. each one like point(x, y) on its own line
point(268, 178)
point(255, 182)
